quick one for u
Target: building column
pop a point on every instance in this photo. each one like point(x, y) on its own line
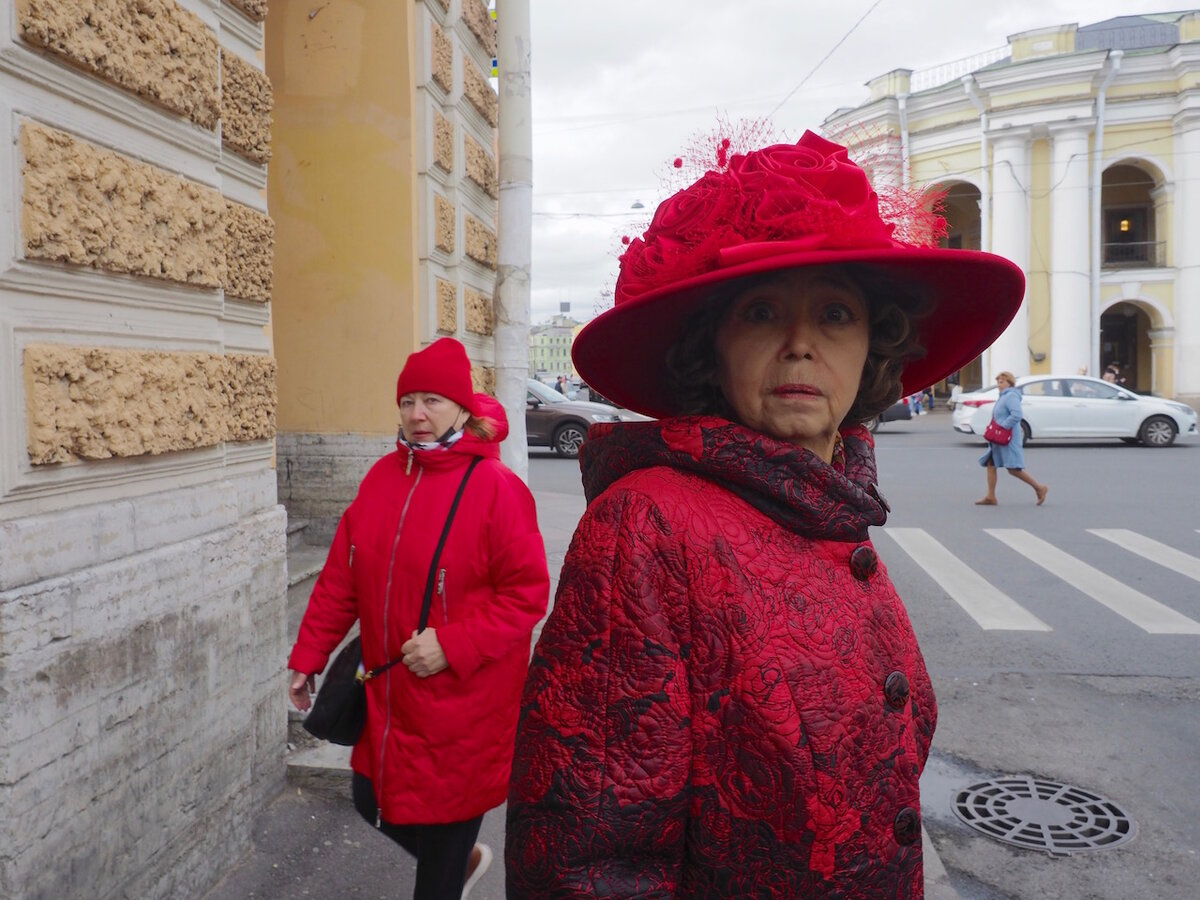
point(1011, 239)
point(1162, 343)
point(1070, 287)
point(1187, 257)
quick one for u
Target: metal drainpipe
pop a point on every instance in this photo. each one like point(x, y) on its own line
point(1114, 63)
point(985, 193)
point(905, 178)
point(985, 170)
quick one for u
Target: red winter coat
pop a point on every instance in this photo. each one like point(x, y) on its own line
point(437, 749)
point(728, 699)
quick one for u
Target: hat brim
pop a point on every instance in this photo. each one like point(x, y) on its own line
point(622, 352)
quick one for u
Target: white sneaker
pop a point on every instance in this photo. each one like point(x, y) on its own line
point(485, 860)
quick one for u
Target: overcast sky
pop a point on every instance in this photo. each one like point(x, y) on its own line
point(620, 88)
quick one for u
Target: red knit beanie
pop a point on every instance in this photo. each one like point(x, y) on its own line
point(441, 368)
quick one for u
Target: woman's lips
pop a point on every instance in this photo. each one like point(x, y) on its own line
point(796, 390)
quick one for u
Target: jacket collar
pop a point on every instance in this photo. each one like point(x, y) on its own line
point(791, 484)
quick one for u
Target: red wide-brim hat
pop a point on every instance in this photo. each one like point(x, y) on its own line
point(782, 207)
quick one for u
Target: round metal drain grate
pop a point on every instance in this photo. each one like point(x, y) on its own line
point(1035, 814)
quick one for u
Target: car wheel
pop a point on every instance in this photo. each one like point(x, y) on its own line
point(1026, 434)
point(568, 439)
point(1157, 431)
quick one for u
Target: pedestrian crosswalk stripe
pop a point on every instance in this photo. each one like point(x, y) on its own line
point(1144, 612)
point(990, 607)
point(1175, 560)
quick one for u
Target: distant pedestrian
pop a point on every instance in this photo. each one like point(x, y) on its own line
point(1007, 414)
point(560, 385)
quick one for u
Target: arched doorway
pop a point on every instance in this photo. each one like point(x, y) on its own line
point(1125, 340)
point(963, 232)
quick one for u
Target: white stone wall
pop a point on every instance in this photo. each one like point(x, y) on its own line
point(319, 475)
point(143, 655)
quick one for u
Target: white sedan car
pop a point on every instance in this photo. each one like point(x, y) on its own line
point(1076, 406)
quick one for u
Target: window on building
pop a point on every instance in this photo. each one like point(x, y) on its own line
point(1127, 237)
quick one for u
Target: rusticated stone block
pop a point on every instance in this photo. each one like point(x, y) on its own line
point(152, 48)
point(91, 207)
point(479, 20)
point(447, 307)
point(97, 402)
point(478, 311)
point(483, 378)
point(442, 59)
point(249, 380)
point(481, 242)
point(249, 252)
point(479, 92)
point(254, 9)
point(480, 166)
point(443, 142)
point(246, 103)
point(443, 211)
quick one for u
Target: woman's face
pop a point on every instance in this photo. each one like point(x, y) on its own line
point(425, 417)
point(1003, 382)
point(790, 355)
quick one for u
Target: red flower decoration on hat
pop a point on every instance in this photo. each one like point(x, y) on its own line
point(809, 195)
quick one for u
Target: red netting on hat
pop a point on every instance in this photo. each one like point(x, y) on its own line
point(753, 203)
point(914, 211)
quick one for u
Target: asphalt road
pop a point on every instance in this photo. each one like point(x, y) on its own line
point(1058, 651)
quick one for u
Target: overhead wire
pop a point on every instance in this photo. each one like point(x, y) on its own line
point(821, 62)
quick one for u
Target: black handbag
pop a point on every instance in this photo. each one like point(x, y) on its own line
point(339, 711)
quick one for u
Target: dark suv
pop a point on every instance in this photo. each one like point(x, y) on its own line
point(552, 420)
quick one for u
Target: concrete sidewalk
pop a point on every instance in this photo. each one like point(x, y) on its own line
point(310, 842)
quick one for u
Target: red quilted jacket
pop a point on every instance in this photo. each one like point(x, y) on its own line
point(437, 749)
point(728, 699)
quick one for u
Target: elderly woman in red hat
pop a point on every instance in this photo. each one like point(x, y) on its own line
point(728, 699)
point(437, 748)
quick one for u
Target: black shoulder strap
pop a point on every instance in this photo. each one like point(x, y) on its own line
point(429, 582)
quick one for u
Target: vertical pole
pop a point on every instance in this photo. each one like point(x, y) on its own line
point(514, 237)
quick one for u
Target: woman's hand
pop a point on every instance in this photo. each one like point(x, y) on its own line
point(300, 690)
point(423, 654)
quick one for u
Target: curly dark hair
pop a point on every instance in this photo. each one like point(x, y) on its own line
point(895, 308)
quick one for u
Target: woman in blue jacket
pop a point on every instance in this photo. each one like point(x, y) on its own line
point(1007, 414)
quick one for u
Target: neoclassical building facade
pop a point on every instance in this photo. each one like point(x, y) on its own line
point(1074, 152)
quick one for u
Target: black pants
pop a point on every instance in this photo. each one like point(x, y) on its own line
point(442, 851)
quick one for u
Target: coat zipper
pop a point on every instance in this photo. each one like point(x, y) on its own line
point(387, 652)
point(441, 587)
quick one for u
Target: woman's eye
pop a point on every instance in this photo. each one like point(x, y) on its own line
point(758, 312)
point(839, 313)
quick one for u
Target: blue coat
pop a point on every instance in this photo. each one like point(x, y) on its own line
point(1007, 412)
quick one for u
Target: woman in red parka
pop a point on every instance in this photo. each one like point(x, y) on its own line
point(437, 748)
point(728, 699)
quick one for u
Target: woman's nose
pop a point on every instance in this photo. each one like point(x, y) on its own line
point(798, 338)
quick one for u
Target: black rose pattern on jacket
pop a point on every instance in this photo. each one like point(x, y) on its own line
point(704, 714)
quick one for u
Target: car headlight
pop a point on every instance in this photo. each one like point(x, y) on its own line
point(605, 417)
point(1179, 407)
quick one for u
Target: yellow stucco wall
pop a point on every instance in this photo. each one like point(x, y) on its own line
point(341, 191)
point(936, 168)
